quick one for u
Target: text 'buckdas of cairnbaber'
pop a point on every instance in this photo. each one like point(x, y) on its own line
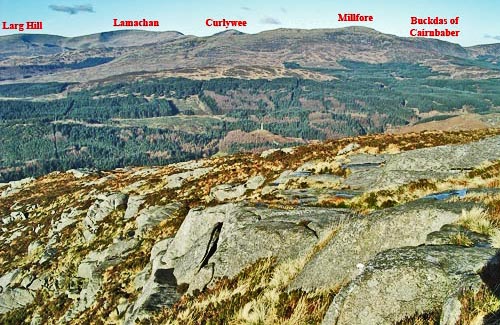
point(434, 32)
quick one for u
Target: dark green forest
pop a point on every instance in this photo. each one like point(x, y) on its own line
point(148, 122)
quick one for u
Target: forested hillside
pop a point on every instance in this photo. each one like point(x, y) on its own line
point(126, 98)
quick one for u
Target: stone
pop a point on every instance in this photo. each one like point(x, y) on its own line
point(363, 237)
point(176, 180)
point(448, 235)
point(78, 173)
point(133, 205)
point(66, 219)
point(158, 283)
point(14, 298)
point(427, 163)
point(7, 279)
point(255, 182)
point(404, 282)
point(269, 152)
point(450, 312)
point(102, 207)
point(151, 216)
point(220, 241)
point(226, 192)
point(16, 186)
point(350, 147)
point(13, 217)
point(33, 247)
point(91, 269)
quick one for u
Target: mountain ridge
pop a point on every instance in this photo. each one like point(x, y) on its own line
point(134, 51)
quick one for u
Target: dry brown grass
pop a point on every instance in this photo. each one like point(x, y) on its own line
point(480, 308)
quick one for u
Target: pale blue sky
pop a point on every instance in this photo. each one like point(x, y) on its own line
point(479, 21)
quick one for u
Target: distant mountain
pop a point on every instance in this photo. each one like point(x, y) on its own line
point(40, 44)
point(172, 52)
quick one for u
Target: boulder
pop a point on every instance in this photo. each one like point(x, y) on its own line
point(133, 205)
point(176, 180)
point(409, 281)
point(350, 147)
point(13, 217)
point(221, 241)
point(159, 286)
point(427, 163)
point(91, 270)
point(363, 237)
point(14, 298)
point(66, 219)
point(151, 216)
point(15, 186)
point(102, 207)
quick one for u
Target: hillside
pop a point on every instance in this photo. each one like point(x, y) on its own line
point(137, 98)
point(401, 229)
point(173, 53)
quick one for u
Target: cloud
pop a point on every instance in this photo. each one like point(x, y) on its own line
point(246, 8)
point(73, 10)
point(497, 37)
point(283, 10)
point(270, 21)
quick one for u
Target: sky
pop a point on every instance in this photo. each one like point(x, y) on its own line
point(478, 23)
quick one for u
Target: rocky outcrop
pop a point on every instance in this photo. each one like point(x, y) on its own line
point(428, 163)
point(102, 207)
point(14, 187)
point(153, 215)
point(90, 272)
point(12, 296)
point(358, 241)
point(13, 217)
point(176, 180)
point(157, 284)
point(226, 192)
point(221, 241)
point(410, 281)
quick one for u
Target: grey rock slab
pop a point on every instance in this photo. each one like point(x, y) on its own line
point(408, 281)
point(33, 246)
point(176, 180)
point(255, 182)
point(426, 163)
point(241, 247)
point(157, 283)
point(151, 216)
point(14, 298)
point(450, 312)
point(13, 217)
point(66, 219)
point(16, 186)
point(102, 207)
point(362, 238)
point(97, 261)
point(350, 147)
point(221, 241)
point(133, 205)
point(91, 269)
point(197, 223)
point(227, 192)
point(8, 278)
point(78, 173)
point(448, 235)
